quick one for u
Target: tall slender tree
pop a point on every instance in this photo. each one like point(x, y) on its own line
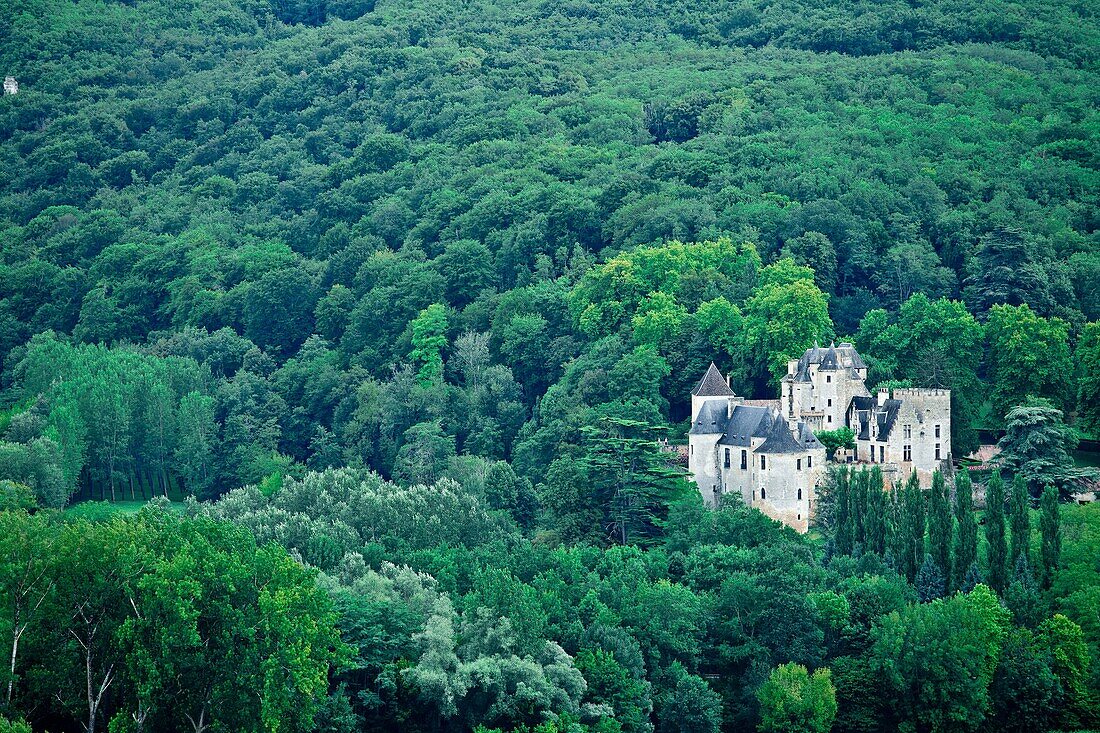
point(966, 529)
point(940, 524)
point(845, 523)
point(912, 526)
point(996, 545)
point(1019, 520)
point(875, 523)
point(1050, 525)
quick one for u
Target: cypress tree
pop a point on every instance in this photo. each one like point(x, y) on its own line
point(995, 532)
point(912, 526)
point(940, 524)
point(1050, 525)
point(966, 528)
point(1019, 521)
point(895, 536)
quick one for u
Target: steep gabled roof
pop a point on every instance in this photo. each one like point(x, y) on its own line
point(745, 424)
point(780, 440)
point(711, 419)
point(713, 384)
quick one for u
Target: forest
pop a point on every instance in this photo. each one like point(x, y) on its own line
point(340, 341)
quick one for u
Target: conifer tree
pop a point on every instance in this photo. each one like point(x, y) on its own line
point(966, 528)
point(912, 527)
point(929, 581)
point(875, 522)
point(972, 579)
point(857, 482)
point(1019, 519)
point(895, 536)
point(845, 525)
point(1050, 524)
point(997, 547)
point(940, 524)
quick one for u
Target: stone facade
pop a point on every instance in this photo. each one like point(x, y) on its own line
point(11, 86)
point(766, 453)
point(750, 451)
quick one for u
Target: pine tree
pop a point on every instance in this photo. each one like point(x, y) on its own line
point(966, 528)
point(940, 524)
point(929, 581)
point(995, 532)
point(1050, 525)
point(1019, 520)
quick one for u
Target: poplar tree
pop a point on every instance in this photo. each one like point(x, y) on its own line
point(966, 528)
point(940, 525)
point(845, 526)
point(875, 523)
point(1050, 525)
point(995, 532)
point(912, 526)
point(1019, 520)
point(858, 489)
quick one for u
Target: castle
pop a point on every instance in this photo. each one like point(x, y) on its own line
point(766, 453)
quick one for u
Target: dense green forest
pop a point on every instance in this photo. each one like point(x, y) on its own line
point(394, 300)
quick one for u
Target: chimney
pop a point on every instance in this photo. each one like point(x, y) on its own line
point(883, 395)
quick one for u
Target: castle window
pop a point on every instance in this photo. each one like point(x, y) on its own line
point(908, 431)
point(763, 495)
point(830, 401)
point(800, 517)
point(881, 454)
point(828, 377)
point(809, 461)
point(800, 494)
point(907, 453)
point(937, 431)
point(798, 465)
point(763, 464)
point(830, 418)
point(937, 451)
point(727, 461)
point(691, 449)
point(744, 460)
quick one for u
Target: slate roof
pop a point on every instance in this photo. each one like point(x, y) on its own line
point(713, 384)
point(711, 419)
point(885, 416)
point(745, 424)
point(780, 440)
point(833, 358)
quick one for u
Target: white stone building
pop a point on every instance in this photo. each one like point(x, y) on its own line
point(750, 451)
point(11, 86)
point(766, 452)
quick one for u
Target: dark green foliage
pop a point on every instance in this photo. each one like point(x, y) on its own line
point(1019, 509)
point(996, 541)
point(1051, 532)
point(940, 526)
point(911, 528)
point(929, 581)
point(966, 531)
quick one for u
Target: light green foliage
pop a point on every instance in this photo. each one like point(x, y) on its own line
point(1088, 386)
point(429, 338)
point(1028, 355)
point(792, 699)
point(785, 315)
point(936, 661)
point(833, 440)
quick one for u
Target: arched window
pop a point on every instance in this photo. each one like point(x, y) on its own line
point(800, 494)
point(762, 494)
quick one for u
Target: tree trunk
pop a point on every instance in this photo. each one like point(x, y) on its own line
point(16, 634)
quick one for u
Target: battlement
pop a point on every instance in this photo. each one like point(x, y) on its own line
point(904, 392)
